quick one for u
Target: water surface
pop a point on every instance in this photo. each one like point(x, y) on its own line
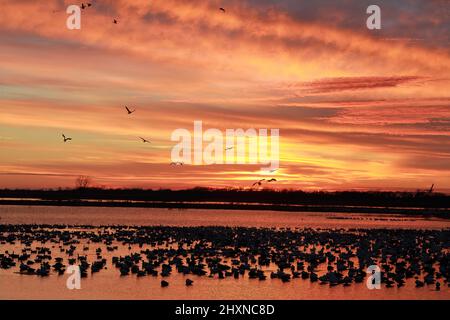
point(207, 217)
point(107, 284)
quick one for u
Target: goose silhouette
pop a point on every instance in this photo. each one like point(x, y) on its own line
point(144, 140)
point(128, 110)
point(66, 138)
point(258, 183)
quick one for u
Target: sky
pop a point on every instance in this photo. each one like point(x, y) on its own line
point(357, 109)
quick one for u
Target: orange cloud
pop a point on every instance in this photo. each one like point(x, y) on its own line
point(354, 110)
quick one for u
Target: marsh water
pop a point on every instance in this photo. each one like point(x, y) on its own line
point(107, 284)
point(206, 217)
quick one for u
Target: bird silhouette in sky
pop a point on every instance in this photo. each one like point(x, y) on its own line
point(272, 180)
point(66, 138)
point(129, 111)
point(222, 9)
point(258, 183)
point(144, 140)
point(115, 21)
point(85, 5)
point(177, 163)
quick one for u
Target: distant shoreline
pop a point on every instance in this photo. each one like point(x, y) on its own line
point(443, 213)
point(420, 203)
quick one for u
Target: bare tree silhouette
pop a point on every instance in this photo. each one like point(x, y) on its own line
point(82, 182)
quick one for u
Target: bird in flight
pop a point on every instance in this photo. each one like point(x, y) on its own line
point(229, 148)
point(66, 139)
point(144, 140)
point(222, 9)
point(115, 21)
point(258, 183)
point(178, 163)
point(129, 111)
point(272, 180)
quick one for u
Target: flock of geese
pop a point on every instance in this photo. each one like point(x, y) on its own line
point(330, 257)
point(144, 140)
point(179, 163)
point(115, 20)
point(129, 111)
point(259, 182)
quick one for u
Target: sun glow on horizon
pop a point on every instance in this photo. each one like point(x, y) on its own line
point(356, 108)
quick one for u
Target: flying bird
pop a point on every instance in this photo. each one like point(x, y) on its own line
point(272, 180)
point(144, 140)
point(66, 139)
point(129, 111)
point(228, 148)
point(115, 21)
point(178, 163)
point(222, 9)
point(258, 183)
point(84, 6)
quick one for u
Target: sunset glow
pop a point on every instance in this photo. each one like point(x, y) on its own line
point(356, 108)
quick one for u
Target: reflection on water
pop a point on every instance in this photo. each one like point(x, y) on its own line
point(108, 284)
point(204, 217)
